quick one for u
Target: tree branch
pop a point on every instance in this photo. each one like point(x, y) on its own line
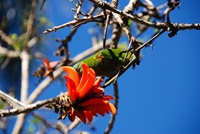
point(6, 38)
point(25, 75)
point(158, 25)
point(26, 109)
point(25, 58)
point(14, 103)
point(9, 53)
point(74, 22)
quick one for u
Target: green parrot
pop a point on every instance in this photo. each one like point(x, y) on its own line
point(106, 62)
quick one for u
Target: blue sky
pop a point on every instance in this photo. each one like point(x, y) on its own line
point(162, 94)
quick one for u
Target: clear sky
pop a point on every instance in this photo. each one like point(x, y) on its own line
point(162, 94)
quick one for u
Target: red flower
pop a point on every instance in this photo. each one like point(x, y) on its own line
point(50, 66)
point(86, 97)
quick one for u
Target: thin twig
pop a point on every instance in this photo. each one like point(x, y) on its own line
point(78, 9)
point(29, 28)
point(42, 5)
point(64, 43)
point(108, 16)
point(129, 8)
point(117, 75)
point(150, 40)
point(92, 10)
point(113, 117)
point(6, 38)
point(126, 31)
point(74, 22)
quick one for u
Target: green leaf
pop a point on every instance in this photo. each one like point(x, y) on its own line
point(14, 36)
point(36, 120)
point(156, 30)
point(1, 59)
point(129, 23)
point(43, 20)
point(1, 104)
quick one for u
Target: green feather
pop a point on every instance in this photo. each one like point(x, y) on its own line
point(106, 62)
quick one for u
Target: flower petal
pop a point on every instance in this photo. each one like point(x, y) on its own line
point(71, 117)
point(46, 63)
point(88, 115)
point(92, 73)
point(87, 87)
point(84, 77)
point(99, 91)
point(94, 101)
point(53, 64)
point(94, 114)
point(71, 112)
point(72, 74)
point(71, 88)
point(99, 108)
point(95, 110)
point(81, 116)
point(108, 97)
point(98, 82)
point(47, 73)
point(112, 108)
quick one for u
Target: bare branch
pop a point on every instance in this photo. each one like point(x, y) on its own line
point(19, 123)
point(116, 34)
point(106, 5)
point(42, 4)
point(126, 31)
point(132, 5)
point(108, 16)
point(26, 109)
point(14, 103)
point(78, 9)
point(150, 40)
point(158, 25)
point(25, 75)
point(74, 22)
point(6, 38)
point(116, 28)
point(8, 53)
point(31, 19)
point(32, 42)
point(72, 125)
point(24, 89)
